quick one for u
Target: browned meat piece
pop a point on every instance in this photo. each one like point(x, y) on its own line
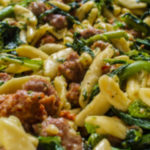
point(90, 32)
point(24, 105)
point(73, 94)
point(47, 39)
point(4, 77)
point(70, 140)
point(39, 85)
point(72, 69)
point(100, 44)
point(52, 102)
point(58, 21)
point(37, 8)
point(29, 107)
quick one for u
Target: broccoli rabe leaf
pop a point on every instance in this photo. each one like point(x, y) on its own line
point(79, 45)
point(94, 139)
point(94, 92)
point(132, 138)
point(139, 109)
point(50, 143)
point(91, 128)
point(136, 23)
point(114, 148)
point(130, 120)
point(145, 1)
point(9, 36)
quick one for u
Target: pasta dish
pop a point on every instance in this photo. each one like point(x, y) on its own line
point(74, 74)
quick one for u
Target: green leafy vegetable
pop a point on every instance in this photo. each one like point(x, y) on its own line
point(132, 138)
point(6, 12)
point(136, 23)
point(94, 139)
point(94, 92)
point(50, 143)
point(114, 148)
point(145, 1)
point(79, 45)
point(10, 40)
point(90, 128)
point(145, 43)
point(143, 123)
point(107, 36)
point(139, 109)
point(33, 64)
point(115, 61)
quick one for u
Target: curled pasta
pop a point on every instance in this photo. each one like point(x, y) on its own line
point(84, 9)
point(61, 88)
point(103, 145)
point(30, 52)
point(108, 125)
point(92, 75)
point(51, 48)
point(113, 93)
point(144, 95)
point(98, 106)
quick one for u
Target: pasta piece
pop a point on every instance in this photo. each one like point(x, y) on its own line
point(133, 88)
point(108, 125)
point(131, 4)
point(61, 88)
point(15, 83)
point(103, 145)
point(13, 136)
point(24, 15)
point(60, 5)
point(84, 9)
point(147, 20)
point(93, 15)
point(30, 33)
point(30, 52)
point(16, 68)
point(113, 93)
point(121, 44)
point(98, 106)
point(52, 63)
point(92, 75)
point(51, 48)
point(144, 95)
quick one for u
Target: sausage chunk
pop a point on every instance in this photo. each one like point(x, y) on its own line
point(72, 69)
point(90, 32)
point(100, 44)
point(29, 107)
point(37, 8)
point(23, 105)
point(47, 39)
point(70, 140)
point(58, 21)
point(73, 94)
point(4, 77)
point(39, 85)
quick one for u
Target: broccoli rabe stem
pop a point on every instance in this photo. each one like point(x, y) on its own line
point(134, 68)
point(6, 12)
point(107, 36)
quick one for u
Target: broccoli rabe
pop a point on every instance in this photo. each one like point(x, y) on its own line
point(130, 120)
point(132, 138)
point(50, 143)
point(136, 23)
point(10, 40)
point(95, 91)
point(139, 109)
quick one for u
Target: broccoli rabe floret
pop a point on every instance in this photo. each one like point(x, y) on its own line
point(139, 109)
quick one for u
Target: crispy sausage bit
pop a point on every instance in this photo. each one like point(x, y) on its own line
point(72, 69)
point(90, 32)
point(23, 105)
point(70, 139)
point(100, 44)
point(39, 85)
point(37, 8)
point(4, 77)
point(47, 39)
point(73, 94)
point(58, 21)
